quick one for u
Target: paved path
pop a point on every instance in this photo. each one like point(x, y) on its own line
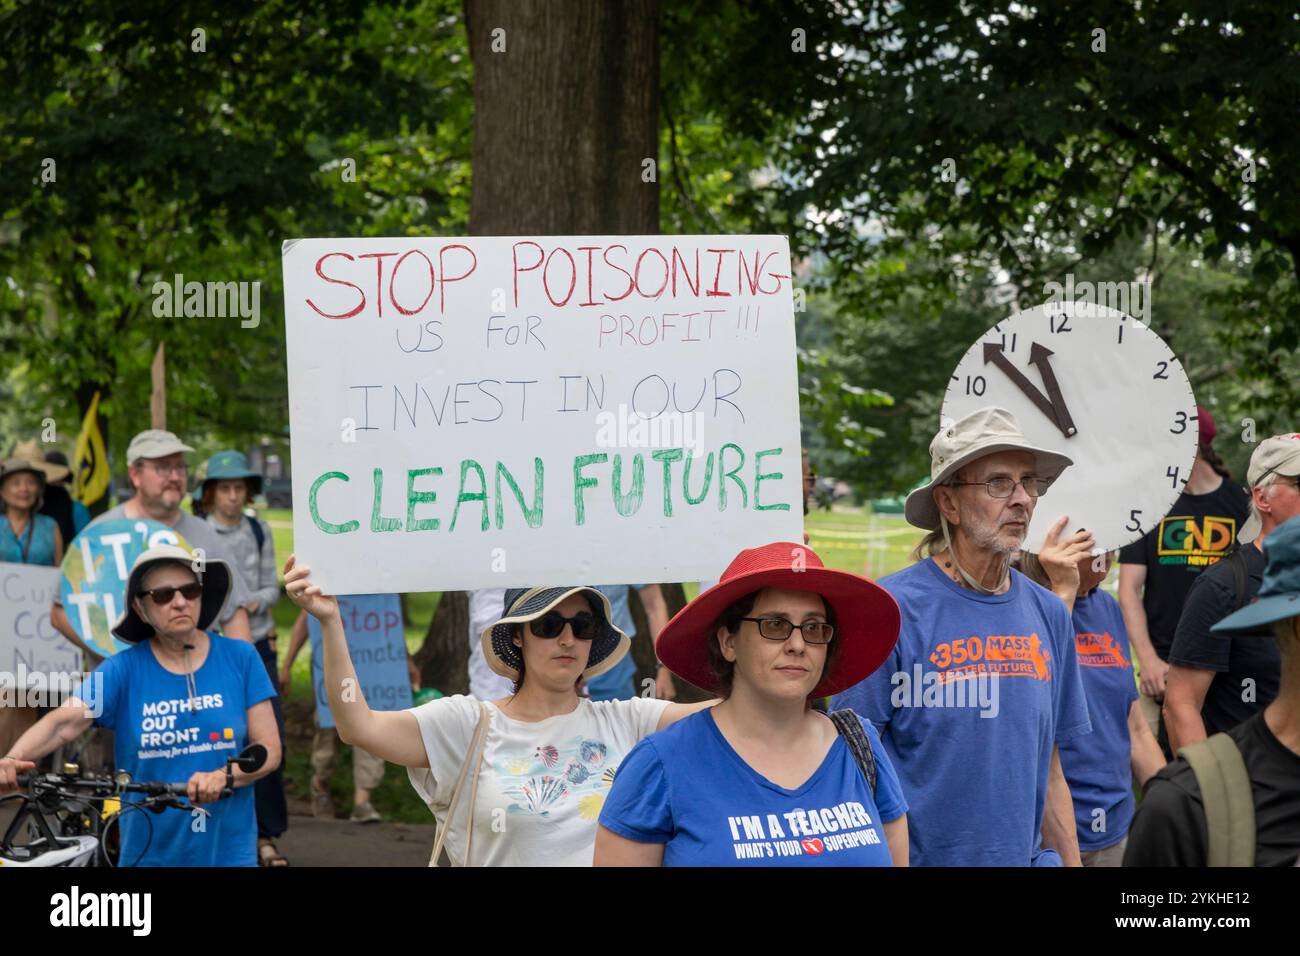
point(312, 842)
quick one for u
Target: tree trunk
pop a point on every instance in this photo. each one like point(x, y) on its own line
point(566, 121)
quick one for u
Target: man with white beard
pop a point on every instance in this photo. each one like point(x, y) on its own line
point(984, 785)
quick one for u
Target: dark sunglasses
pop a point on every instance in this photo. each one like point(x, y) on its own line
point(551, 624)
point(189, 591)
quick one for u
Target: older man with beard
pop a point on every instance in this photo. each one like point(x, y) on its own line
point(983, 683)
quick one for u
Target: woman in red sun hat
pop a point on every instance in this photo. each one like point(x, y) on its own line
point(763, 778)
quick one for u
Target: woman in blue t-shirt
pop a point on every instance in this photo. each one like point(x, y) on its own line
point(763, 778)
point(180, 701)
point(1101, 767)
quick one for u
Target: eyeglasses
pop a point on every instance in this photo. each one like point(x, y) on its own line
point(189, 591)
point(1005, 487)
point(551, 625)
point(779, 629)
point(165, 470)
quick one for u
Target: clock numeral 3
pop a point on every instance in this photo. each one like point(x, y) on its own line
point(1059, 323)
point(1133, 523)
point(1172, 474)
point(1181, 422)
point(1163, 371)
point(975, 384)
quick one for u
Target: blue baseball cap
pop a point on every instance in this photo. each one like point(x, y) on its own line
point(231, 466)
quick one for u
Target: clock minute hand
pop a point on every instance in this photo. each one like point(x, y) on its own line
point(1040, 355)
point(993, 353)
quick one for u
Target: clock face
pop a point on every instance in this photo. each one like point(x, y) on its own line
point(1099, 386)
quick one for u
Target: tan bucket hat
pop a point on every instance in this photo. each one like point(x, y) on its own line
point(984, 431)
point(1279, 454)
point(32, 453)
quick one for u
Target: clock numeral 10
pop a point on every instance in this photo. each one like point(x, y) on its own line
point(975, 384)
point(1133, 523)
point(1172, 474)
point(1181, 422)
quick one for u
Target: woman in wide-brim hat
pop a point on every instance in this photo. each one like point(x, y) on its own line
point(763, 777)
point(26, 536)
point(517, 781)
point(181, 700)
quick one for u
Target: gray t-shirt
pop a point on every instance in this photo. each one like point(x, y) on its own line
point(199, 534)
point(255, 566)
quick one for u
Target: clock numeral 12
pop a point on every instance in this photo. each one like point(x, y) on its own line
point(1064, 325)
point(975, 384)
point(1133, 523)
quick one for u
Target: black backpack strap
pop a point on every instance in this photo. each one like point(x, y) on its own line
point(258, 533)
point(1238, 560)
point(849, 726)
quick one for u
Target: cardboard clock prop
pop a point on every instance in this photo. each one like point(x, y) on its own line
point(1097, 385)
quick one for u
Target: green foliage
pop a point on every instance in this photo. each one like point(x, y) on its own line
point(169, 160)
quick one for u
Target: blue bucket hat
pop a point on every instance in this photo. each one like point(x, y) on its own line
point(1279, 594)
point(230, 466)
point(527, 604)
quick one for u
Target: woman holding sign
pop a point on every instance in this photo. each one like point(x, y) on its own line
point(180, 702)
point(519, 781)
point(762, 778)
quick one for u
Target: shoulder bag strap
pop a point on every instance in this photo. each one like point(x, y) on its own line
point(473, 757)
point(849, 726)
point(1227, 798)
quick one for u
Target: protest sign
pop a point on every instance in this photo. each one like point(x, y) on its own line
point(95, 571)
point(29, 644)
point(377, 643)
point(473, 412)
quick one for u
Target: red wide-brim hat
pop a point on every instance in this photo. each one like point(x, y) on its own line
point(866, 615)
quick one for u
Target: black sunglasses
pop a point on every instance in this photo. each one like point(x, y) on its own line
point(551, 624)
point(189, 591)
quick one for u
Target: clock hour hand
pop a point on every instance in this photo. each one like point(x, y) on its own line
point(1040, 355)
point(993, 353)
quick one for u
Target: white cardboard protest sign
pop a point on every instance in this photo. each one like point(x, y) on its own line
point(29, 644)
point(499, 411)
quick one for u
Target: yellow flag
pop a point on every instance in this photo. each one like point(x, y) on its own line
point(90, 473)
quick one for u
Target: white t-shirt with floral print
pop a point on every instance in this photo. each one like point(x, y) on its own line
point(542, 784)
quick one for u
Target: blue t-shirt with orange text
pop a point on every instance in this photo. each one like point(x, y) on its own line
point(1097, 767)
point(969, 704)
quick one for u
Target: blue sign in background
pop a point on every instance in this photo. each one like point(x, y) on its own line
point(377, 643)
point(95, 569)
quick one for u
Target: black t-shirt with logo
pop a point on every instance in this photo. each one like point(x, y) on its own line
point(1197, 532)
point(1247, 665)
point(1169, 829)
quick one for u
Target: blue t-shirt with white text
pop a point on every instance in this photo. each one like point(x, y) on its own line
point(685, 787)
point(976, 784)
point(158, 737)
point(1097, 767)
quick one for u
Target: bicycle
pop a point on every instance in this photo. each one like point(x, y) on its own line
point(68, 818)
